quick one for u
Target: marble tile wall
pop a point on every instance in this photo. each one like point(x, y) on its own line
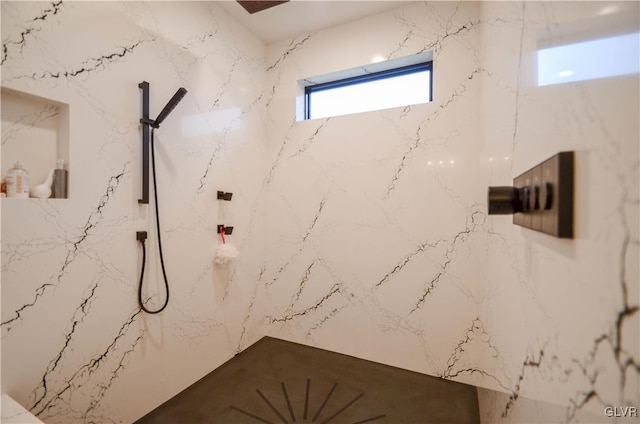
point(381, 246)
point(365, 234)
point(75, 346)
point(377, 212)
point(564, 314)
point(12, 412)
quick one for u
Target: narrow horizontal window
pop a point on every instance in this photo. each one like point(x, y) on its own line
point(587, 60)
point(396, 87)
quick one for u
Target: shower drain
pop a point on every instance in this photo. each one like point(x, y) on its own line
point(326, 412)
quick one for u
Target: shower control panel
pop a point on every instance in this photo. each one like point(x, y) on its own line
point(541, 199)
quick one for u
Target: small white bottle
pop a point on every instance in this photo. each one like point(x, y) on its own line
point(17, 182)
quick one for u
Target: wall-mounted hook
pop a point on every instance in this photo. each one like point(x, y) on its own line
point(227, 230)
point(224, 196)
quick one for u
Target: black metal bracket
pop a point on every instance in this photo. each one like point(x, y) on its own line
point(227, 230)
point(148, 122)
point(224, 196)
point(146, 140)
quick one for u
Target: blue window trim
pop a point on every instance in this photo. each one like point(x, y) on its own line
point(389, 73)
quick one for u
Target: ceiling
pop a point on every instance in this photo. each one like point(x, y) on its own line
point(298, 17)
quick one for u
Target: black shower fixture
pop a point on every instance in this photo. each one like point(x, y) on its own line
point(221, 195)
point(169, 107)
point(148, 127)
point(227, 230)
point(540, 199)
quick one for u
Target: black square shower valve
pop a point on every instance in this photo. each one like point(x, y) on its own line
point(541, 199)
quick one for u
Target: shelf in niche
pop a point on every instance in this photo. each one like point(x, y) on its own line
point(35, 132)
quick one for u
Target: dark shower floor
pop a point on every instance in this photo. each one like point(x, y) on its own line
point(275, 381)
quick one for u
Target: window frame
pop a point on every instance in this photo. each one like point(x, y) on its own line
point(368, 77)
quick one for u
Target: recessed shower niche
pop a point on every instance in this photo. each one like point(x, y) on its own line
point(35, 132)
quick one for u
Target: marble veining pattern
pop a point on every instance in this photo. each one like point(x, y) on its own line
point(70, 267)
point(365, 234)
point(405, 230)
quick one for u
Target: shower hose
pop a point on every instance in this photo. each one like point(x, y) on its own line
point(142, 240)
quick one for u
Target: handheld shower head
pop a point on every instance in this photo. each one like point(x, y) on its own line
point(169, 106)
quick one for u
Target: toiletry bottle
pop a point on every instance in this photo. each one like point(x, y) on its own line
point(17, 182)
point(59, 189)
